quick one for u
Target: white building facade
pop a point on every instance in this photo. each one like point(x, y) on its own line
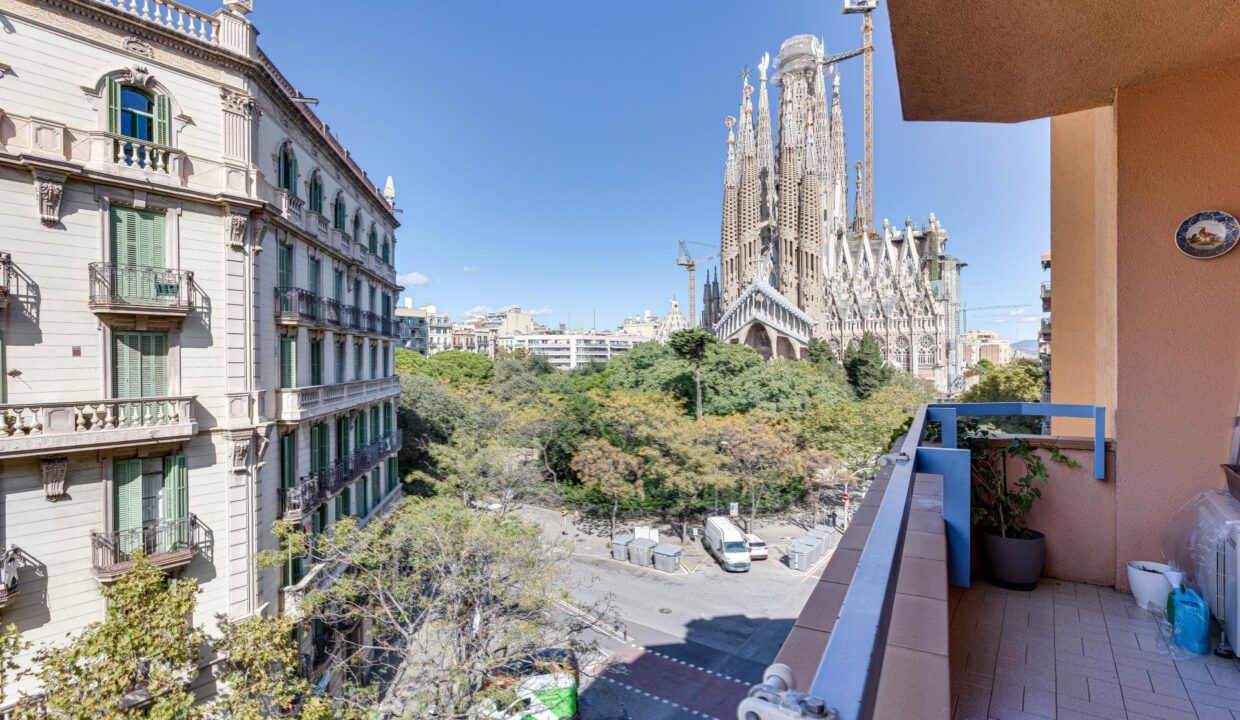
point(568, 351)
point(196, 330)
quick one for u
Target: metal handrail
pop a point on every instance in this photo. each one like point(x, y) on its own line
point(330, 311)
point(296, 304)
point(370, 322)
point(113, 284)
point(6, 269)
point(303, 496)
point(350, 317)
point(155, 539)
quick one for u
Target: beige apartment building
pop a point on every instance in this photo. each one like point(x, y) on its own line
point(196, 295)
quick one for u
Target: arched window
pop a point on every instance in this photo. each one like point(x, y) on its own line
point(316, 193)
point(288, 168)
point(387, 249)
point(138, 113)
point(926, 355)
point(373, 240)
point(339, 214)
point(899, 353)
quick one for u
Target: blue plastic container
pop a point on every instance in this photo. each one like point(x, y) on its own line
point(1192, 622)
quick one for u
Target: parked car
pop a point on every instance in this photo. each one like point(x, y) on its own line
point(542, 686)
point(757, 547)
point(726, 543)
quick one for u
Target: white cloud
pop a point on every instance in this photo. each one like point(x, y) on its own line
point(412, 279)
point(480, 310)
point(542, 310)
point(1032, 319)
point(470, 268)
point(1018, 312)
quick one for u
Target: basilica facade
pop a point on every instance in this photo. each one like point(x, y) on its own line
point(795, 264)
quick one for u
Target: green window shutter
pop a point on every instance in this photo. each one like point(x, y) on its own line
point(314, 276)
point(114, 106)
point(387, 250)
point(315, 432)
point(324, 447)
point(288, 460)
point(126, 365)
point(387, 418)
point(152, 250)
point(316, 362)
point(125, 232)
point(176, 490)
point(292, 176)
point(338, 286)
point(163, 115)
point(374, 419)
point(363, 503)
point(288, 362)
point(346, 501)
point(282, 274)
point(374, 242)
point(154, 364)
point(127, 494)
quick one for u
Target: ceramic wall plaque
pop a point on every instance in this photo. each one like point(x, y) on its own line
point(1207, 234)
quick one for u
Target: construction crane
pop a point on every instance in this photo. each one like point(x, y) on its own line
point(687, 261)
point(964, 312)
point(866, 9)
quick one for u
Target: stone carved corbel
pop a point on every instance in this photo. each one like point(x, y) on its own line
point(237, 102)
point(236, 230)
point(138, 75)
point(240, 455)
point(54, 471)
point(260, 232)
point(49, 190)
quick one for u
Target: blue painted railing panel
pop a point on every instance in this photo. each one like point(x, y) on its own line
point(1094, 412)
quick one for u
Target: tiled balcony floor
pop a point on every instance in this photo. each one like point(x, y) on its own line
point(1076, 652)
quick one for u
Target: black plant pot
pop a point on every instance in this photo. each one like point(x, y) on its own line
point(1013, 563)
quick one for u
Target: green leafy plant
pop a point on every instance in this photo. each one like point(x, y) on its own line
point(1002, 498)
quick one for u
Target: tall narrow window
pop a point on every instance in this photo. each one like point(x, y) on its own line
point(288, 168)
point(342, 436)
point(315, 268)
point(140, 370)
point(374, 420)
point(371, 306)
point(387, 370)
point(357, 228)
point(374, 360)
point(387, 250)
point(288, 460)
point(136, 113)
point(339, 213)
point(357, 361)
point(288, 362)
point(316, 193)
point(339, 359)
point(319, 445)
point(316, 362)
point(362, 440)
point(374, 241)
point(150, 505)
point(138, 258)
point(338, 286)
point(387, 418)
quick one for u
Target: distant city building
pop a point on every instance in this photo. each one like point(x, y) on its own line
point(1044, 332)
point(513, 321)
point(569, 350)
point(977, 345)
point(672, 322)
point(438, 330)
point(412, 327)
point(795, 265)
point(645, 326)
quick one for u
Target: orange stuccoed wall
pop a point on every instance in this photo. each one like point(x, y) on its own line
point(1177, 353)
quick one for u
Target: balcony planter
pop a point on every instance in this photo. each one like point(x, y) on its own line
point(1011, 562)
point(1006, 475)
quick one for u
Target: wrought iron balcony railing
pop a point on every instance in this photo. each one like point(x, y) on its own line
point(370, 322)
point(296, 305)
point(302, 498)
point(131, 289)
point(8, 575)
point(350, 317)
point(385, 326)
point(6, 269)
point(335, 477)
point(329, 311)
point(167, 543)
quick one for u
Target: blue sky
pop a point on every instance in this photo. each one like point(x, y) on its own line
point(549, 153)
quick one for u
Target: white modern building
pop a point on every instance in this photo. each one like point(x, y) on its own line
point(196, 330)
point(438, 330)
point(977, 345)
point(569, 350)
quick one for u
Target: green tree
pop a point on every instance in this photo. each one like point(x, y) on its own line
point(135, 663)
point(865, 367)
point(259, 669)
point(691, 345)
point(857, 433)
point(984, 367)
point(449, 595)
point(1019, 381)
point(759, 451)
point(610, 470)
point(821, 356)
point(459, 367)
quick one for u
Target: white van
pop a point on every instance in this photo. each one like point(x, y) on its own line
point(727, 544)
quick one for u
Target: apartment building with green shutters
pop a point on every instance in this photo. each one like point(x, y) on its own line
point(196, 317)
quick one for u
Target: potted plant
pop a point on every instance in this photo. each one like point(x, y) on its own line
point(1012, 552)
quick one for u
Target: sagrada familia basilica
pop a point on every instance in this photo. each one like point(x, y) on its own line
point(794, 264)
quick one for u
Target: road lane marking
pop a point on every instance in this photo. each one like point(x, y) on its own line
point(663, 700)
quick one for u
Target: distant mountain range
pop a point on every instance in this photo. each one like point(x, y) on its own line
point(1027, 346)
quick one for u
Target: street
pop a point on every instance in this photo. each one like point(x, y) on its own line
point(689, 644)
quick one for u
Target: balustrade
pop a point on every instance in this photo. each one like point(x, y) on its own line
point(171, 15)
point(296, 304)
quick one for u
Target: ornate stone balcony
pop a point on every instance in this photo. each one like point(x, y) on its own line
point(168, 544)
point(140, 290)
point(138, 158)
point(289, 205)
point(59, 427)
point(299, 404)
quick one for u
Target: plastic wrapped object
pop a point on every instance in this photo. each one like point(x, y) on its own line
point(1201, 539)
point(1192, 622)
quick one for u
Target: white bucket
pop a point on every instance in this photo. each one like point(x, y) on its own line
point(1149, 586)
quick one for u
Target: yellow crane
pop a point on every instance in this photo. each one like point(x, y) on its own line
point(866, 9)
point(688, 262)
